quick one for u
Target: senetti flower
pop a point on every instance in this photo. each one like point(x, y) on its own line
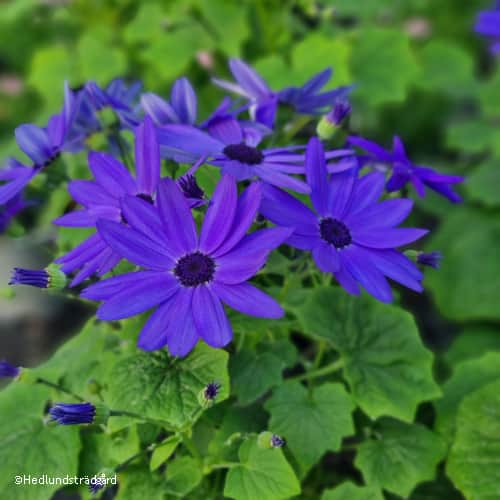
point(348, 233)
point(230, 147)
point(42, 145)
point(488, 24)
point(404, 171)
point(8, 370)
point(187, 276)
point(73, 414)
point(307, 99)
point(101, 199)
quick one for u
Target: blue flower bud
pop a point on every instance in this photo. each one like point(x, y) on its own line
point(8, 371)
point(78, 413)
point(431, 259)
point(277, 441)
point(50, 277)
point(331, 122)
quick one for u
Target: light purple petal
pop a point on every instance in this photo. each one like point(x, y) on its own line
point(346, 279)
point(89, 193)
point(139, 297)
point(210, 318)
point(12, 188)
point(134, 246)
point(388, 213)
point(176, 216)
point(220, 215)
point(88, 217)
point(154, 332)
point(247, 299)
point(249, 79)
point(237, 267)
point(386, 238)
point(34, 141)
point(316, 175)
point(371, 147)
point(367, 191)
point(326, 257)
point(183, 100)
point(111, 174)
point(340, 192)
point(226, 130)
point(282, 180)
point(147, 157)
point(159, 110)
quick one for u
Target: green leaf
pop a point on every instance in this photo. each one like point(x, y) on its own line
point(475, 454)
point(98, 64)
point(470, 262)
point(473, 342)
point(163, 451)
point(262, 473)
point(28, 446)
point(139, 482)
point(400, 456)
point(164, 388)
point(488, 96)
point(183, 475)
point(386, 365)
point(375, 51)
point(456, 77)
point(50, 66)
point(253, 374)
point(467, 377)
point(311, 423)
point(349, 491)
point(473, 137)
point(482, 184)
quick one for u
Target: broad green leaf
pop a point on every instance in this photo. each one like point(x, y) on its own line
point(488, 96)
point(29, 446)
point(311, 423)
point(466, 286)
point(350, 491)
point(139, 482)
point(482, 184)
point(163, 451)
point(183, 475)
point(473, 137)
point(374, 52)
point(386, 365)
point(473, 342)
point(456, 77)
point(439, 489)
point(399, 456)
point(98, 64)
point(146, 25)
point(467, 377)
point(475, 454)
point(262, 473)
point(164, 388)
point(253, 374)
point(50, 66)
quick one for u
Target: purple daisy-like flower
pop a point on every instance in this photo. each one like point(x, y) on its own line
point(307, 99)
point(101, 199)
point(7, 370)
point(347, 231)
point(229, 146)
point(42, 145)
point(10, 210)
point(187, 276)
point(404, 171)
point(73, 413)
point(488, 24)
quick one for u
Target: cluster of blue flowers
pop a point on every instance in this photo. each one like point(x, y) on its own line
point(315, 199)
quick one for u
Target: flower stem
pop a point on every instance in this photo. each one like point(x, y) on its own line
point(58, 388)
point(320, 372)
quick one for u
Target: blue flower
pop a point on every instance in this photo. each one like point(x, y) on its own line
point(73, 414)
point(187, 276)
point(8, 371)
point(42, 145)
point(488, 24)
point(101, 199)
point(234, 149)
point(431, 259)
point(307, 99)
point(347, 231)
point(404, 171)
point(277, 441)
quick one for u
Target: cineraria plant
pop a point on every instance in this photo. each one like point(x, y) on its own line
point(245, 277)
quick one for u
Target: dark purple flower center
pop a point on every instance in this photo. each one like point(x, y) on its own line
point(190, 187)
point(244, 154)
point(146, 197)
point(194, 269)
point(335, 232)
point(211, 390)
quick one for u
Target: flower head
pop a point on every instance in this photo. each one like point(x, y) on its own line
point(235, 150)
point(42, 145)
point(404, 171)
point(277, 441)
point(347, 231)
point(101, 199)
point(188, 276)
point(488, 24)
point(73, 414)
point(211, 390)
point(8, 370)
point(50, 277)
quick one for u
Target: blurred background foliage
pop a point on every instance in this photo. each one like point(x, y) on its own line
point(420, 72)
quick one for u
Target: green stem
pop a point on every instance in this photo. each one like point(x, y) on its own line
point(122, 413)
point(320, 372)
point(227, 465)
point(129, 460)
point(58, 388)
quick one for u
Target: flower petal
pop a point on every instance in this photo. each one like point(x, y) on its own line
point(316, 175)
point(89, 193)
point(159, 110)
point(249, 79)
point(326, 257)
point(34, 142)
point(340, 192)
point(247, 299)
point(183, 100)
point(110, 174)
point(367, 191)
point(147, 157)
point(209, 317)
point(282, 180)
point(388, 213)
point(386, 238)
point(226, 129)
